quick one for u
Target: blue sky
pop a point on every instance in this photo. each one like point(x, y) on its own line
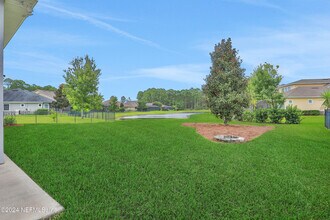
point(166, 44)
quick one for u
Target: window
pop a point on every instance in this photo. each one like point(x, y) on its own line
point(46, 105)
point(22, 105)
point(290, 101)
point(6, 107)
point(40, 105)
point(310, 101)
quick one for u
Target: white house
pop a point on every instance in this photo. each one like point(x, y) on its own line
point(18, 100)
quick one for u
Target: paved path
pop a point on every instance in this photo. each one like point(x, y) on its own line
point(21, 197)
point(172, 115)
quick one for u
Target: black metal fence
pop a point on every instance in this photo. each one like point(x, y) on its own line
point(52, 116)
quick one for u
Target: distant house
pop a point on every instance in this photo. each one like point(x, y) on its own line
point(106, 104)
point(130, 105)
point(305, 93)
point(152, 107)
point(18, 100)
point(167, 108)
point(46, 93)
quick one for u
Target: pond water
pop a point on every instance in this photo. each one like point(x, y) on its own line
point(155, 116)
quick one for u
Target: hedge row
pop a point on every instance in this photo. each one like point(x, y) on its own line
point(291, 115)
point(311, 112)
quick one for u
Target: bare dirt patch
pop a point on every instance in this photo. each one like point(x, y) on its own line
point(247, 131)
point(13, 125)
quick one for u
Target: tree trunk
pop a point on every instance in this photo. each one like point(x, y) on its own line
point(225, 121)
point(82, 113)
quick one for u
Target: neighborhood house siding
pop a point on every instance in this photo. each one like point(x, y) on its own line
point(304, 103)
point(306, 94)
point(26, 106)
point(17, 100)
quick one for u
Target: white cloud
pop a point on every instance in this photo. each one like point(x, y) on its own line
point(301, 49)
point(185, 73)
point(259, 3)
point(192, 74)
point(48, 8)
point(35, 62)
point(43, 37)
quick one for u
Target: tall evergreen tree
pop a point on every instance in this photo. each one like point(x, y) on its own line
point(123, 99)
point(82, 80)
point(61, 102)
point(226, 85)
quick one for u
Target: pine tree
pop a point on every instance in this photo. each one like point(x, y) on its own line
point(61, 102)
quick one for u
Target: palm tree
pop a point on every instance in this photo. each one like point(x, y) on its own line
point(326, 97)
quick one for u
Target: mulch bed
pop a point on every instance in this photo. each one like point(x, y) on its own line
point(247, 131)
point(13, 125)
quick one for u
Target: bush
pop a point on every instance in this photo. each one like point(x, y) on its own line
point(292, 115)
point(311, 112)
point(276, 115)
point(9, 120)
point(261, 115)
point(53, 115)
point(248, 116)
point(42, 111)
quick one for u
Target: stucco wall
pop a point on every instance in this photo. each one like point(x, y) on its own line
point(27, 106)
point(304, 105)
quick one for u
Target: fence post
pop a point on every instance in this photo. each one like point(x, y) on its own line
point(36, 118)
point(75, 120)
point(327, 118)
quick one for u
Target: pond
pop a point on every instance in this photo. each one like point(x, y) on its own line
point(157, 116)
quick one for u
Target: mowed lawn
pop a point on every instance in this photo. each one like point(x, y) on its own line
point(159, 169)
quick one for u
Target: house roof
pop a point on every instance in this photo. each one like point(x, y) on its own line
point(130, 104)
point(151, 105)
point(107, 103)
point(306, 92)
point(19, 95)
point(310, 81)
point(46, 93)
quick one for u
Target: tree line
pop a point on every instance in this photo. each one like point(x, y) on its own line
point(192, 98)
point(21, 84)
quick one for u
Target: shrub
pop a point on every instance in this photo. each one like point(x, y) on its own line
point(311, 112)
point(292, 115)
point(42, 111)
point(261, 115)
point(53, 115)
point(248, 116)
point(276, 115)
point(9, 120)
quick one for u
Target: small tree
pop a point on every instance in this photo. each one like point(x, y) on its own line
point(61, 102)
point(123, 99)
point(113, 104)
point(265, 81)
point(326, 97)
point(225, 86)
point(82, 80)
point(141, 106)
point(159, 104)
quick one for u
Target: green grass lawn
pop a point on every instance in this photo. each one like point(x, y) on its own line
point(159, 169)
point(64, 118)
point(47, 119)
